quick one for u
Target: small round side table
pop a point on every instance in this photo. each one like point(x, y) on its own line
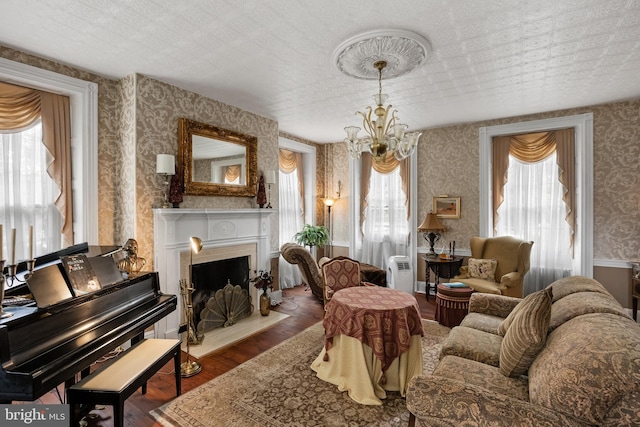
point(452, 304)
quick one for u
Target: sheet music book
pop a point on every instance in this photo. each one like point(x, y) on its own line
point(82, 277)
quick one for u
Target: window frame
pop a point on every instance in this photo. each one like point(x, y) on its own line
point(355, 236)
point(309, 174)
point(83, 98)
point(583, 125)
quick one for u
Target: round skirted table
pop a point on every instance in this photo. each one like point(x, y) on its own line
point(373, 339)
point(452, 304)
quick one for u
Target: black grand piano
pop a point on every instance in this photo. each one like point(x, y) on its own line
point(43, 347)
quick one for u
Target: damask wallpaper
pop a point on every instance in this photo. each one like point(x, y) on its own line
point(448, 163)
point(157, 108)
point(138, 119)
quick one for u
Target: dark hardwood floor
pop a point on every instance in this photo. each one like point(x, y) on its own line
point(304, 310)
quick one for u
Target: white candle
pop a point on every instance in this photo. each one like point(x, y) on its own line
point(13, 246)
point(31, 242)
point(1, 243)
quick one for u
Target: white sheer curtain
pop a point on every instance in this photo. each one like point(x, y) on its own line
point(290, 222)
point(386, 227)
point(533, 210)
point(28, 194)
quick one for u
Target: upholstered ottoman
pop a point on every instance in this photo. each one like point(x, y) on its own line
point(452, 304)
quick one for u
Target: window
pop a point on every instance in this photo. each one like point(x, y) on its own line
point(296, 200)
point(582, 262)
point(356, 243)
point(28, 193)
point(533, 209)
point(83, 98)
point(385, 228)
point(386, 212)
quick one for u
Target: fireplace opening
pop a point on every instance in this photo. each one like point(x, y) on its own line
point(208, 277)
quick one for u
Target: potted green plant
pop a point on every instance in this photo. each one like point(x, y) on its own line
point(312, 235)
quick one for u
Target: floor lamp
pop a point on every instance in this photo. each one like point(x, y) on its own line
point(328, 203)
point(190, 367)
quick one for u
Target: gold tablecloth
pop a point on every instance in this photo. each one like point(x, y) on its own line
point(372, 342)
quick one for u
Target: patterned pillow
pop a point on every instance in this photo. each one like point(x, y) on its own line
point(527, 333)
point(482, 268)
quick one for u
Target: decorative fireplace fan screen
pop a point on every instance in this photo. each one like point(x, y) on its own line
point(225, 308)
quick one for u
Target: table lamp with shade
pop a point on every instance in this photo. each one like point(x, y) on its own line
point(269, 178)
point(431, 229)
point(166, 165)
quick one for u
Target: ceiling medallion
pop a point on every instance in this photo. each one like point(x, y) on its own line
point(401, 50)
point(381, 54)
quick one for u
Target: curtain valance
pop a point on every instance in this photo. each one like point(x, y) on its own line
point(232, 173)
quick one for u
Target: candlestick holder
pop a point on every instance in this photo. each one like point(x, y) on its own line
point(3, 314)
point(11, 274)
point(30, 265)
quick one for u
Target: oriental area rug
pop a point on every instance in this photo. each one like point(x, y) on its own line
point(278, 388)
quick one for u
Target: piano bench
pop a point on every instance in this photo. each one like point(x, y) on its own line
point(112, 383)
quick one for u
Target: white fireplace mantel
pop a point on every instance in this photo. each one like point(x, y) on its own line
point(218, 229)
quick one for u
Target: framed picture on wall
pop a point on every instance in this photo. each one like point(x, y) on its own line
point(446, 207)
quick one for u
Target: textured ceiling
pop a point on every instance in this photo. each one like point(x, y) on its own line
point(489, 58)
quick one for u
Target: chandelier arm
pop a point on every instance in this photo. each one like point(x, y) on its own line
point(392, 120)
point(366, 122)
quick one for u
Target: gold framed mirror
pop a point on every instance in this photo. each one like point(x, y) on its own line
point(215, 161)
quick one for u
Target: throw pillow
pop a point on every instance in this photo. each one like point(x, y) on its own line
point(482, 268)
point(527, 334)
point(504, 325)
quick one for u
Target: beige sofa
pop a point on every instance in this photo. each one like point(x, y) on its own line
point(587, 371)
point(512, 256)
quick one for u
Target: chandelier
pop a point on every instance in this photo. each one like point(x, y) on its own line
point(384, 132)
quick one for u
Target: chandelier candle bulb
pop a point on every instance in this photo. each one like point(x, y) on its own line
point(1, 243)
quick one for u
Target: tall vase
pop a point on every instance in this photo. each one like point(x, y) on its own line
point(265, 304)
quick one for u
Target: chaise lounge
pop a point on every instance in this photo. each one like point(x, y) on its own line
point(312, 273)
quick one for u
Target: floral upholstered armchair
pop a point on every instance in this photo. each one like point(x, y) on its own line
point(497, 265)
